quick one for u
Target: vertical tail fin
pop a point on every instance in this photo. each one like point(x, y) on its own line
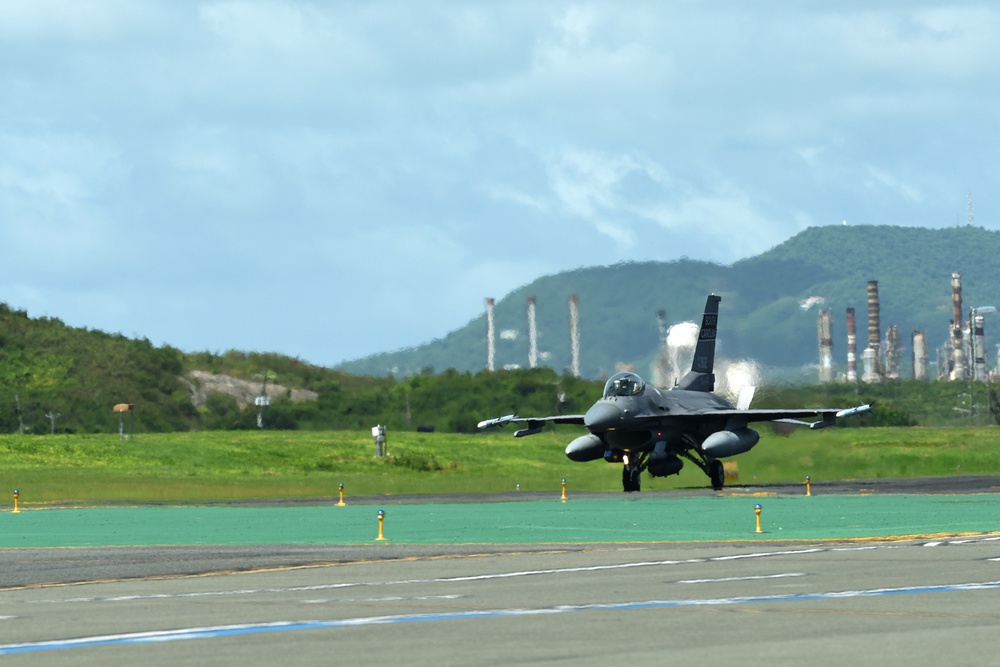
point(701, 376)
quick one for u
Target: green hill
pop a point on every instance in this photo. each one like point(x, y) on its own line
point(760, 316)
point(56, 378)
point(52, 375)
point(60, 379)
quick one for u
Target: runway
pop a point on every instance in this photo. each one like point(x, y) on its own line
point(817, 601)
point(925, 602)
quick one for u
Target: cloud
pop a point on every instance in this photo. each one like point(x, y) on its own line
point(726, 218)
point(55, 205)
point(880, 179)
point(508, 193)
point(596, 188)
point(256, 173)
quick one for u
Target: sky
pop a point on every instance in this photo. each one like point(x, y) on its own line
point(330, 180)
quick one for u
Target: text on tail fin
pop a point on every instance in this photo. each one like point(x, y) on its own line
point(700, 377)
point(704, 353)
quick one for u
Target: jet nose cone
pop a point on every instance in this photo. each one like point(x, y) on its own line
point(602, 416)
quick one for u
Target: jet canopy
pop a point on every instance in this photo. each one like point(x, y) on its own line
point(623, 384)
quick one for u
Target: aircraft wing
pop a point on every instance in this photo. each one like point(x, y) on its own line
point(535, 424)
point(829, 415)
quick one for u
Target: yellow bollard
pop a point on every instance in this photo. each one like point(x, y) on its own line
point(17, 510)
point(381, 517)
point(756, 510)
point(341, 503)
point(808, 486)
point(564, 489)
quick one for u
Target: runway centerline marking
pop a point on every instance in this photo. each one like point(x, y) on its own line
point(391, 598)
point(159, 636)
point(459, 579)
point(747, 578)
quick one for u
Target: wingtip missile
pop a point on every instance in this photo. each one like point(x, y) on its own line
point(496, 421)
point(850, 412)
point(829, 419)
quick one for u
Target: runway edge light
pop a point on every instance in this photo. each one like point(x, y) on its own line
point(17, 510)
point(381, 535)
point(756, 510)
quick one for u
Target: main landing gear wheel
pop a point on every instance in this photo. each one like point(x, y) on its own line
point(630, 479)
point(717, 473)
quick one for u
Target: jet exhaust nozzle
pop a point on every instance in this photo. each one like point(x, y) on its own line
point(586, 448)
point(728, 443)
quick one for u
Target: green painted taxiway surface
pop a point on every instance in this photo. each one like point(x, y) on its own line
point(602, 520)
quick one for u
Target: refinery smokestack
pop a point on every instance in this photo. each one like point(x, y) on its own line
point(978, 348)
point(958, 365)
point(956, 296)
point(892, 353)
point(824, 327)
point(919, 343)
point(490, 336)
point(574, 336)
point(872, 356)
point(532, 334)
point(852, 347)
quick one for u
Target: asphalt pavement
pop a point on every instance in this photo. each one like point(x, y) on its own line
point(858, 572)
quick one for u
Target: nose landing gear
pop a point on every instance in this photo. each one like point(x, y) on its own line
point(630, 478)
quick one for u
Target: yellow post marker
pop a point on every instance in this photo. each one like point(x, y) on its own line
point(381, 536)
point(17, 510)
point(808, 486)
point(341, 503)
point(756, 510)
point(564, 489)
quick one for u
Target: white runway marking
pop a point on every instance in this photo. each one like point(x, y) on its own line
point(969, 540)
point(440, 580)
point(767, 554)
point(393, 598)
point(285, 626)
point(750, 578)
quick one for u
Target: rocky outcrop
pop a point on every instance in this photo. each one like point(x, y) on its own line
point(202, 383)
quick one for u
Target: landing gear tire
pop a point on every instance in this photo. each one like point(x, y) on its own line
point(630, 479)
point(717, 473)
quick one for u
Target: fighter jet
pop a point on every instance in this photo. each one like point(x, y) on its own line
point(650, 429)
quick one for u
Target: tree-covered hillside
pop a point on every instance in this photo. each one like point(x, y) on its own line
point(760, 315)
point(54, 377)
point(64, 379)
point(61, 379)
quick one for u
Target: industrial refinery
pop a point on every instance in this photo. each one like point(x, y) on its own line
point(962, 357)
point(533, 353)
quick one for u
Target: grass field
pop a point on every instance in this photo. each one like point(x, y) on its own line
point(230, 465)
